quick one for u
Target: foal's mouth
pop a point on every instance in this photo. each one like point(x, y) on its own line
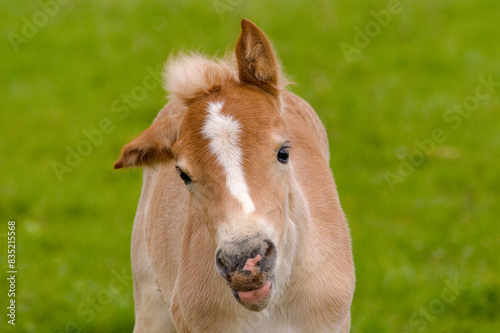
point(250, 286)
point(255, 300)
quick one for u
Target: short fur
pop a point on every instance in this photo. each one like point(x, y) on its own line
point(179, 227)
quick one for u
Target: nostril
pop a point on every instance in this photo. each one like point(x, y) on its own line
point(218, 255)
point(220, 265)
point(271, 250)
point(270, 255)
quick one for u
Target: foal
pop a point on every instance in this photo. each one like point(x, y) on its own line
point(239, 226)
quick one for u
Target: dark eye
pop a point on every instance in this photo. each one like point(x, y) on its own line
point(283, 154)
point(185, 178)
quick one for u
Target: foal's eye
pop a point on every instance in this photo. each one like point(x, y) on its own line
point(183, 176)
point(283, 154)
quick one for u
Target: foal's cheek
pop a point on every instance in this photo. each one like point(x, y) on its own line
point(275, 219)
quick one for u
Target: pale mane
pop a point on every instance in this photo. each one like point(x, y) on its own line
point(188, 76)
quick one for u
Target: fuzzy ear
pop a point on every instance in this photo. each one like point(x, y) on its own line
point(151, 146)
point(257, 63)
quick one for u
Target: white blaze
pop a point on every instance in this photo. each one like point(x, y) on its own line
point(223, 133)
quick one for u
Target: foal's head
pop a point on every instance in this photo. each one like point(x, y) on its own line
point(231, 150)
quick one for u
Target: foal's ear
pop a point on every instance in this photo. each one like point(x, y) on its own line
point(257, 63)
point(151, 146)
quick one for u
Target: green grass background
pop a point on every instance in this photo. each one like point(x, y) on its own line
point(441, 223)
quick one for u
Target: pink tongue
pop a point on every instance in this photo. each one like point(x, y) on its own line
point(256, 296)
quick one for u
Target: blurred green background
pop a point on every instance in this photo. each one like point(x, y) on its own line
point(424, 211)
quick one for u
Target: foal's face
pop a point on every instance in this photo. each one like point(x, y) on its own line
point(233, 156)
point(232, 152)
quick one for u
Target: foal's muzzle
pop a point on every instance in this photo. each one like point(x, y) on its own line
point(248, 268)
